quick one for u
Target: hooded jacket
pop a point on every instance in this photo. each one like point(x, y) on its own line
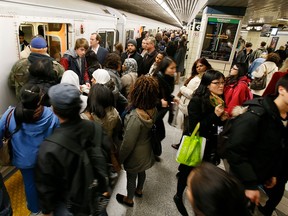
point(71, 61)
point(136, 152)
point(236, 93)
point(257, 143)
point(26, 141)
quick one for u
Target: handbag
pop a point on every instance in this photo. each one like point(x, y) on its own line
point(6, 150)
point(191, 150)
point(259, 83)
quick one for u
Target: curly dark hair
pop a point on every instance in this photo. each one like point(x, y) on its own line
point(112, 61)
point(144, 93)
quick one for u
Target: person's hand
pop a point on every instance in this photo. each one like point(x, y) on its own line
point(271, 182)
point(219, 110)
point(224, 116)
point(176, 100)
point(164, 103)
point(253, 195)
point(88, 85)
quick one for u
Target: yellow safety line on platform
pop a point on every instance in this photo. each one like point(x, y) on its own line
point(15, 188)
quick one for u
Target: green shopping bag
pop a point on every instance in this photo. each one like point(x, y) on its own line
point(191, 149)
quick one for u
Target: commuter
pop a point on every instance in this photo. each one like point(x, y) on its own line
point(282, 54)
point(102, 76)
point(269, 66)
point(113, 66)
point(41, 73)
point(136, 151)
point(258, 144)
point(92, 62)
point(257, 53)
point(213, 192)
point(132, 53)
point(165, 77)
point(19, 74)
point(144, 47)
point(58, 166)
point(22, 42)
point(207, 108)
point(95, 40)
point(180, 58)
point(74, 59)
point(118, 48)
point(160, 56)
point(186, 91)
point(129, 75)
point(236, 89)
point(256, 63)
point(172, 45)
point(5, 204)
point(276, 76)
point(30, 124)
point(70, 77)
point(244, 55)
point(139, 41)
point(100, 108)
point(149, 57)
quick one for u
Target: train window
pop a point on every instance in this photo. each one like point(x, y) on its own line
point(28, 32)
point(54, 47)
point(110, 40)
point(129, 35)
point(41, 30)
point(103, 39)
point(54, 26)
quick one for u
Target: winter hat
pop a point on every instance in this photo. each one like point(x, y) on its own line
point(38, 43)
point(132, 41)
point(64, 96)
point(101, 76)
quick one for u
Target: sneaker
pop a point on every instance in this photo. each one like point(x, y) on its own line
point(180, 206)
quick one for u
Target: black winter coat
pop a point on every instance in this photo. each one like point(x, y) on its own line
point(209, 123)
point(257, 143)
point(56, 165)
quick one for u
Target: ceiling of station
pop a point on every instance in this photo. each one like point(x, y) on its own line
point(264, 11)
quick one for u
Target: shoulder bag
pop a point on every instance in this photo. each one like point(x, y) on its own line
point(191, 150)
point(259, 83)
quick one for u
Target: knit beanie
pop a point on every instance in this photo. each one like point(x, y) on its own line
point(132, 41)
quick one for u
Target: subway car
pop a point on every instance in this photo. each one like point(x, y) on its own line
point(61, 23)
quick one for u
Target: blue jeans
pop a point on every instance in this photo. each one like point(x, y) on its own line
point(30, 190)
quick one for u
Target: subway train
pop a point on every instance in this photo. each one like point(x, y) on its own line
point(61, 23)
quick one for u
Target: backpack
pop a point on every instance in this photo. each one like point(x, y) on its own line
point(223, 136)
point(84, 198)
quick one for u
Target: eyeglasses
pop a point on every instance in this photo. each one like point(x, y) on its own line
point(218, 83)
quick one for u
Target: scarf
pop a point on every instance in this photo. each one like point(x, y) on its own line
point(215, 100)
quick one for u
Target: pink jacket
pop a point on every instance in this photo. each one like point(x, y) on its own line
point(237, 94)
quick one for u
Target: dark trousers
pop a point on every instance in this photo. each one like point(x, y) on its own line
point(275, 195)
point(184, 172)
point(5, 205)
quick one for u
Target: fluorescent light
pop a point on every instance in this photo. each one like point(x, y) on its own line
point(164, 5)
point(283, 19)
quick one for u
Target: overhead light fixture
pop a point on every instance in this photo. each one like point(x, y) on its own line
point(282, 19)
point(164, 5)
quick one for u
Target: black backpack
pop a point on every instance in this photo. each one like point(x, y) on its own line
point(84, 196)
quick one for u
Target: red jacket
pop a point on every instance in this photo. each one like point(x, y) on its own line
point(236, 94)
point(270, 89)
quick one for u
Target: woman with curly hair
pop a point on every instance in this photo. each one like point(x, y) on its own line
point(136, 152)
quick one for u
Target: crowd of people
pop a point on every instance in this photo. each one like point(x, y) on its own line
point(105, 105)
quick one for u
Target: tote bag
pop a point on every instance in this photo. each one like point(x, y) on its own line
point(191, 149)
